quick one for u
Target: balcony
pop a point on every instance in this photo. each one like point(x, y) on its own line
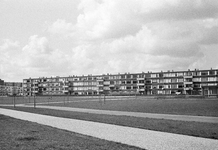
point(111, 85)
point(140, 90)
point(187, 76)
point(106, 83)
point(188, 88)
point(100, 79)
point(140, 78)
point(138, 84)
point(65, 91)
point(188, 82)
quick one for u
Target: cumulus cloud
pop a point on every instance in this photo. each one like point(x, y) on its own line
point(112, 36)
point(9, 62)
point(137, 35)
point(35, 59)
point(60, 27)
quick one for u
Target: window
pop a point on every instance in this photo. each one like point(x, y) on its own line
point(141, 81)
point(160, 86)
point(141, 76)
point(160, 75)
point(212, 72)
point(205, 73)
point(188, 73)
point(180, 80)
point(128, 76)
point(111, 77)
point(153, 75)
point(111, 82)
point(128, 82)
point(196, 79)
point(180, 74)
point(167, 80)
point(166, 75)
point(196, 73)
point(154, 81)
point(161, 81)
point(173, 74)
point(122, 76)
point(174, 80)
point(204, 79)
point(134, 81)
point(212, 79)
point(128, 87)
point(180, 86)
point(106, 78)
point(100, 82)
point(134, 76)
point(134, 87)
point(197, 85)
point(174, 86)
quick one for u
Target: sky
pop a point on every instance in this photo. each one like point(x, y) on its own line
point(44, 38)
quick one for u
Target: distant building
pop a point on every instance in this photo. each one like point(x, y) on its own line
point(13, 88)
point(190, 82)
point(2, 88)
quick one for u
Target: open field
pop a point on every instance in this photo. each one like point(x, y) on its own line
point(179, 106)
point(170, 106)
point(17, 134)
point(199, 129)
point(61, 99)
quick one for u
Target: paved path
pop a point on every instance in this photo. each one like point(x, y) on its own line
point(136, 114)
point(147, 139)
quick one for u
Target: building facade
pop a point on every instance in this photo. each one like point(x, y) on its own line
point(190, 82)
point(13, 88)
point(2, 88)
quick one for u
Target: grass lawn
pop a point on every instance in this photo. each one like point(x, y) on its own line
point(206, 130)
point(196, 107)
point(17, 134)
point(181, 106)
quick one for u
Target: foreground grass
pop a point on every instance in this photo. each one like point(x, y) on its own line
point(17, 134)
point(196, 107)
point(206, 130)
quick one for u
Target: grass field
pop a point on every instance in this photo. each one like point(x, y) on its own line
point(193, 106)
point(198, 129)
point(170, 106)
point(181, 106)
point(17, 134)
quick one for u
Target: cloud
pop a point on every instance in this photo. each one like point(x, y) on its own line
point(114, 19)
point(38, 54)
point(137, 35)
point(9, 62)
point(60, 27)
point(112, 36)
point(34, 59)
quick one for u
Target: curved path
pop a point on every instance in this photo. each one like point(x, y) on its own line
point(134, 114)
point(147, 139)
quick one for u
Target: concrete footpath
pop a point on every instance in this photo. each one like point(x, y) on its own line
point(136, 114)
point(147, 139)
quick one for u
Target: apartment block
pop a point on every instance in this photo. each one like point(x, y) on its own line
point(13, 88)
point(2, 88)
point(190, 82)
